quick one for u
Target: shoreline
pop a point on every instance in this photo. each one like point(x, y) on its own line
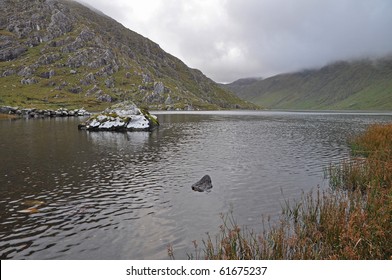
point(19, 112)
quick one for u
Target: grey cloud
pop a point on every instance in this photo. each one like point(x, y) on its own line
point(289, 35)
point(230, 39)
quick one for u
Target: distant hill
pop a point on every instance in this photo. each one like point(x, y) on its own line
point(357, 85)
point(58, 53)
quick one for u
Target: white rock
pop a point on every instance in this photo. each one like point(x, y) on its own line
point(121, 117)
point(101, 118)
point(137, 122)
point(107, 125)
point(94, 124)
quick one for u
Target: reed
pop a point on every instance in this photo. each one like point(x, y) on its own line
point(371, 164)
point(351, 220)
point(375, 141)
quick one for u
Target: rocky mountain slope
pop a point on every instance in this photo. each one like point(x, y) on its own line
point(63, 54)
point(357, 85)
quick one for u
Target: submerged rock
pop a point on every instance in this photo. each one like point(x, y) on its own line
point(204, 184)
point(124, 116)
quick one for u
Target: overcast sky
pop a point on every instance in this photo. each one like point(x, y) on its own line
point(231, 39)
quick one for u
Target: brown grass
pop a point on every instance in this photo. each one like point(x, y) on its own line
point(351, 220)
point(375, 141)
point(7, 117)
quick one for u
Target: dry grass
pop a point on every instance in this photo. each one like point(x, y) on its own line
point(375, 141)
point(7, 117)
point(351, 220)
point(371, 165)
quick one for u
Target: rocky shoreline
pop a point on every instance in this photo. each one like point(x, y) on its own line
point(42, 113)
point(123, 116)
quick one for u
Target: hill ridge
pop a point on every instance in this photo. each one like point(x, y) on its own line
point(60, 53)
point(356, 85)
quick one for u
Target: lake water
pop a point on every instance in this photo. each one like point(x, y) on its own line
point(128, 195)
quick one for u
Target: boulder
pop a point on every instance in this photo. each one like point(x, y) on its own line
point(109, 82)
point(29, 81)
point(159, 88)
point(147, 78)
point(204, 184)
point(26, 72)
point(124, 116)
point(88, 79)
point(8, 110)
point(48, 74)
point(11, 53)
point(75, 90)
point(104, 97)
point(8, 72)
point(47, 59)
point(189, 108)
point(169, 100)
point(81, 112)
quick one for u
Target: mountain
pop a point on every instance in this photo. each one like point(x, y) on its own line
point(63, 54)
point(356, 85)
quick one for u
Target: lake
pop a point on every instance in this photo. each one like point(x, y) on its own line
point(106, 195)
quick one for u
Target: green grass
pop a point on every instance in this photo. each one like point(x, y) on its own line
point(131, 52)
point(357, 85)
point(377, 96)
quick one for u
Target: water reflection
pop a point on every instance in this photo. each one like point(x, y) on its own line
point(119, 140)
point(127, 195)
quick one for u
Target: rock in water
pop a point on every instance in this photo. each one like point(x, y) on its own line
point(204, 184)
point(124, 116)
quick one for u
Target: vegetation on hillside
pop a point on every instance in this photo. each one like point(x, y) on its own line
point(351, 220)
point(357, 85)
point(62, 54)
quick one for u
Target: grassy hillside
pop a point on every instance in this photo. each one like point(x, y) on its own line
point(358, 85)
point(63, 54)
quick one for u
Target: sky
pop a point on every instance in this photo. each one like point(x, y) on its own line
point(232, 39)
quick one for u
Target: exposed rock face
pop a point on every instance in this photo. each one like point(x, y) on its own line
point(204, 184)
point(123, 116)
point(159, 88)
point(10, 51)
point(43, 40)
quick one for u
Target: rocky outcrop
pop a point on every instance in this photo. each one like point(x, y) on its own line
point(205, 184)
point(41, 113)
point(10, 50)
point(124, 116)
point(67, 49)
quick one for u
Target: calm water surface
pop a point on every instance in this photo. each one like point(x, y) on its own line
point(127, 195)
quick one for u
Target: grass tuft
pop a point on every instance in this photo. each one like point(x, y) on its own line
point(351, 220)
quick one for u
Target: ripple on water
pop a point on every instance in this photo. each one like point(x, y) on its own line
point(127, 196)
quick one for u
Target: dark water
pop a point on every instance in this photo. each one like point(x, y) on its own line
point(127, 195)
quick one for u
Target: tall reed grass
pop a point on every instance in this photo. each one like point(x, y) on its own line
point(350, 220)
point(371, 164)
